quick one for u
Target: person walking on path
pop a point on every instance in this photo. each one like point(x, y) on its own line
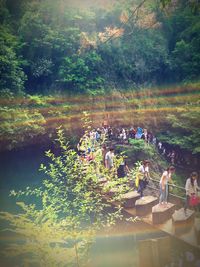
point(166, 177)
point(143, 176)
point(123, 169)
point(191, 188)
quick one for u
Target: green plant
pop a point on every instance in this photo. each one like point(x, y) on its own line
point(19, 124)
point(61, 231)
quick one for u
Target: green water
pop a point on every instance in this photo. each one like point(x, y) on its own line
point(115, 248)
point(19, 169)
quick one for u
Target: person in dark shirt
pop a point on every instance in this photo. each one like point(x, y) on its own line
point(122, 170)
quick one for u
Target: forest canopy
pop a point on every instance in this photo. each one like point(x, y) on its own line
point(140, 57)
point(75, 46)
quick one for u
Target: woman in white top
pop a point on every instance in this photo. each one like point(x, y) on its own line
point(166, 177)
point(191, 187)
point(143, 176)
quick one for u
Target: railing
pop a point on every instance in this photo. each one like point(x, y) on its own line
point(180, 188)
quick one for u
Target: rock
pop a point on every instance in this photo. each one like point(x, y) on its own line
point(144, 205)
point(162, 213)
point(129, 199)
point(182, 221)
point(180, 216)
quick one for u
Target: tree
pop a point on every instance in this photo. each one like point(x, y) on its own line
point(11, 72)
point(182, 31)
point(48, 36)
point(184, 129)
point(81, 74)
point(61, 230)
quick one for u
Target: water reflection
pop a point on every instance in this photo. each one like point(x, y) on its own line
point(120, 247)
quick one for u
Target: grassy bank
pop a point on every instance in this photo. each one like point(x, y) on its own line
point(30, 118)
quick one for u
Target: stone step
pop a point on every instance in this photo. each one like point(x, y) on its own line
point(129, 199)
point(111, 189)
point(162, 212)
point(180, 216)
point(182, 221)
point(144, 205)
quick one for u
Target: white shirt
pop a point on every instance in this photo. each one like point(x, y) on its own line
point(160, 145)
point(166, 176)
point(189, 188)
point(109, 158)
point(143, 169)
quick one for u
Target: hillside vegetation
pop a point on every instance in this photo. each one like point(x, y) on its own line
point(76, 47)
point(119, 60)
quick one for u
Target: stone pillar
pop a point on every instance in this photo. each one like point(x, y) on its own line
point(154, 252)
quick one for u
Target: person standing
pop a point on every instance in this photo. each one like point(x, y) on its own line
point(159, 146)
point(172, 157)
point(109, 158)
point(145, 134)
point(139, 133)
point(166, 177)
point(154, 140)
point(123, 169)
point(143, 176)
point(103, 152)
point(191, 188)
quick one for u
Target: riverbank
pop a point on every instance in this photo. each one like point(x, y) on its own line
point(32, 119)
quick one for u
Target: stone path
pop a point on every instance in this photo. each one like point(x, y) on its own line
point(168, 218)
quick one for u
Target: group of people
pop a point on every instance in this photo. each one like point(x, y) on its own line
point(168, 153)
point(95, 141)
point(175, 155)
point(143, 177)
point(191, 187)
point(122, 135)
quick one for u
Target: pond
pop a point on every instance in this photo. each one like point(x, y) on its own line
point(19, 169)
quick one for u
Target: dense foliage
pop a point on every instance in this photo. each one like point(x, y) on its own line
point(73, 48)
point(56, 45)
point(185, 130)
point(60, 229)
